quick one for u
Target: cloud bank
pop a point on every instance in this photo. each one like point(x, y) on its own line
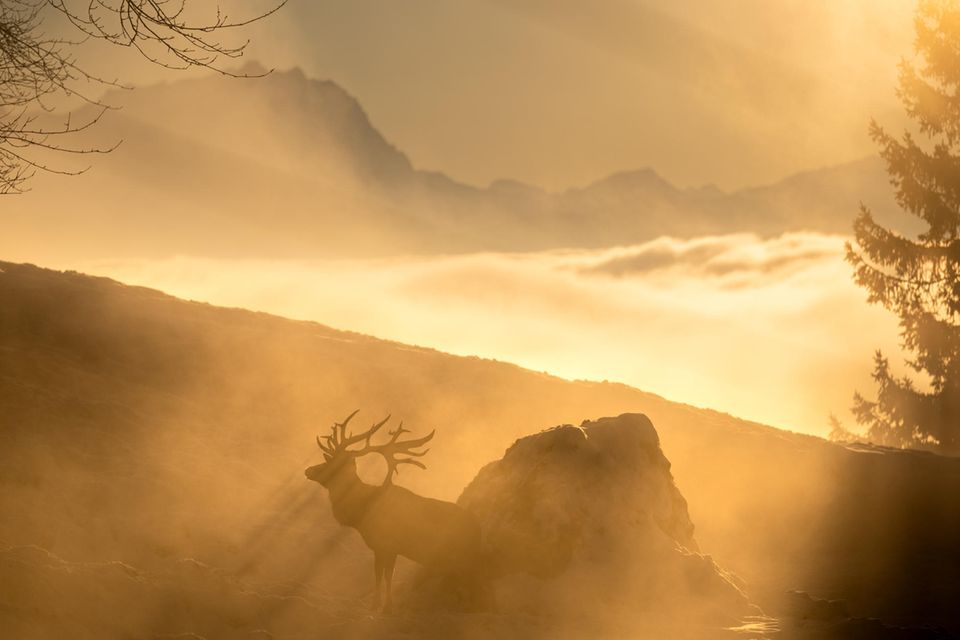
point(736, 259)
point(772, 330)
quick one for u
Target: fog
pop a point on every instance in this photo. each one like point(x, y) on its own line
point(698, 321)
point(509, 218)
point(154, 455)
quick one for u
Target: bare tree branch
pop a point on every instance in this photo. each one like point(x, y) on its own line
point(36, 70)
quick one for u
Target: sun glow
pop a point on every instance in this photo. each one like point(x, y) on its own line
point(697, 321)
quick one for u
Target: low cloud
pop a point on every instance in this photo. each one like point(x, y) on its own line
point(772, 330)
point(739, 259)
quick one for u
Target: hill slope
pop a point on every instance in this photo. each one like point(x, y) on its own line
point(171, 437)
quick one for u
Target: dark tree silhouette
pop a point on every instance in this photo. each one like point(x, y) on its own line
point(918, 277)
point(37, 69)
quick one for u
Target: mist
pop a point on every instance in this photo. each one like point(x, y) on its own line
point(697, 321)
point(577, 272)
point(186, 427)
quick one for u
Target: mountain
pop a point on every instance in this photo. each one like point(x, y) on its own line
point(153, 451)
point(286, 165)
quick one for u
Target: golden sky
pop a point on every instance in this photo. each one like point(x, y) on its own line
point(735, 93)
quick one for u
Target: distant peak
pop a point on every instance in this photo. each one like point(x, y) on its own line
point(505, 185)
point(251, 68)
point(296, 72)
point(643, 173)
point(708, 189)
point(643, 178)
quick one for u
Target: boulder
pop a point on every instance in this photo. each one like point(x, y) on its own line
point(587, 521)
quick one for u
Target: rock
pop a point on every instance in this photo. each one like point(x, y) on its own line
point(803, 606)
point(588, 519)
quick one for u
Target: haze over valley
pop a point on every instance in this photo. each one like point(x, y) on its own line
point(695, 321)
point(526, 320)
point(312, 213)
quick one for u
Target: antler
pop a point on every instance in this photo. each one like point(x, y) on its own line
point(366, 435)
point(335, 439)
point(392, 449)
point(338, 441)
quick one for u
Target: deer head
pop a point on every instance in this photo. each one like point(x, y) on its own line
point(340, 459)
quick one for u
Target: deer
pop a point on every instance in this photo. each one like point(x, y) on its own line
point(394, 521)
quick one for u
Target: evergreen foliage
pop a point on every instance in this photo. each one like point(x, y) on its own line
point(918, 278)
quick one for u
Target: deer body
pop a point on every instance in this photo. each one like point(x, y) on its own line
point(393, 520)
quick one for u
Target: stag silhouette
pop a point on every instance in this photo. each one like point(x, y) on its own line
point(392, 520)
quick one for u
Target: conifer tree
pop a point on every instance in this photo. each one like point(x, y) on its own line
point(917, 276)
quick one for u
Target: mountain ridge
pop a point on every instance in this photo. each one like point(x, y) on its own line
point(294, 166)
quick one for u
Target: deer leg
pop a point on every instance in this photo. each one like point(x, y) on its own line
point(378, 569)
point(389, 563)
